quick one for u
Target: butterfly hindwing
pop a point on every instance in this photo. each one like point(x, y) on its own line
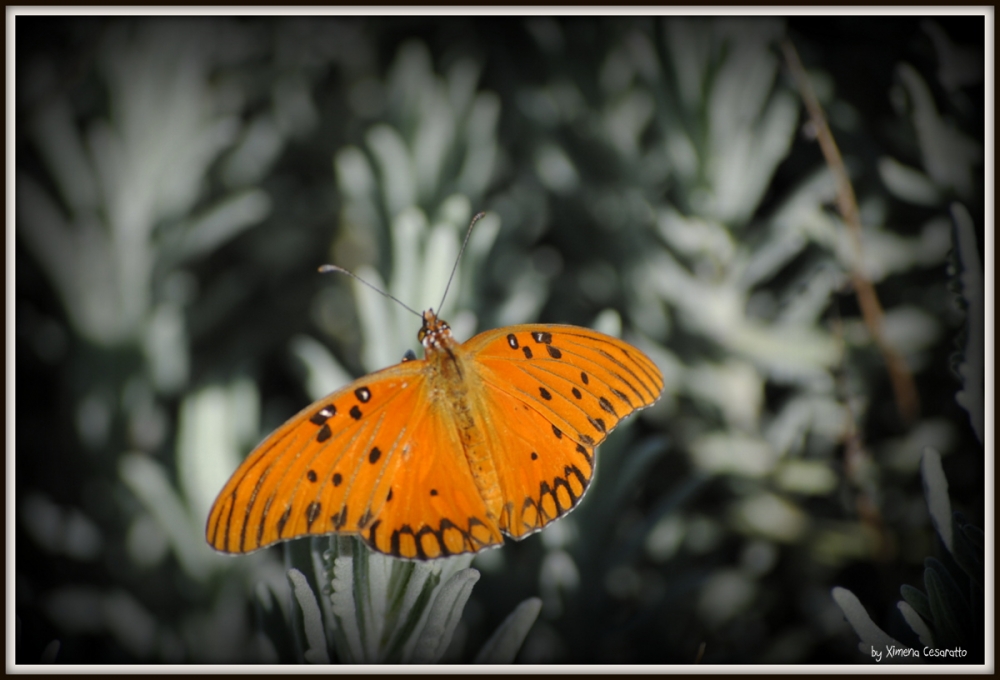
point(433, 506)
point(542, 470)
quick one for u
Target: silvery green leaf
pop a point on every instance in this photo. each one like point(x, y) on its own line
point(382, 346)
point(906, 183)
point(62, 148)
point(936, 493)
point(871, 635)
point(968, 550)
point(221, 222)
point(481, 145)
point(211, 432)
point(345, 609)
point(917, 600)
point(398, 185)
point(164, 343)
point(148, 481)
point(443, 617)
point(951, 612)
point(916, 624)
point(324, 374)
point(972, 366)
point(948, 154)
point(311, 618)
point(506, 640)
point(409, 237)
point(440, 253)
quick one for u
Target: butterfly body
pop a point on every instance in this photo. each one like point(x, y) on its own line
point(442, 455)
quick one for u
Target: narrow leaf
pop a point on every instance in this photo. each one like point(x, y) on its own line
point(916, 599)
point(916, 624)
point(505, 642)
point(969, 555)
point(952, 615)
point(444, 616)
point(311, 618)
point(936, 493)
point(871, 635)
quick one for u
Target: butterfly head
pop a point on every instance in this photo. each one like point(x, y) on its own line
point(435, 332)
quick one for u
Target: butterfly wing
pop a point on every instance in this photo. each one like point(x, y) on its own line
point(551, 394)
point(356, 462)
point(434, 508)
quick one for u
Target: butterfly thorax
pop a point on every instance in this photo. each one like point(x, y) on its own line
point(453, 381)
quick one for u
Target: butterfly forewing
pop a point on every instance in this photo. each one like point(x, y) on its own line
point(318, 472)
point(584, 381)
point(377, 458)
point(551, 394)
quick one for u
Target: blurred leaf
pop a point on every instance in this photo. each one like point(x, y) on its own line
point(968, 553)
point(936, 493)
point(506, 640)
point(872, 637)
point(916, 599)
point(952, 616)
point(916, 624)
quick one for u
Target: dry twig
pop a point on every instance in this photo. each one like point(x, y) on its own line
point(907, 400)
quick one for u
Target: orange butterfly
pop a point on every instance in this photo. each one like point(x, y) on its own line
point(440, 456)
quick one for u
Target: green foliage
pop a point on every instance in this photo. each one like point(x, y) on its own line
point(948, 620)
point(179, 181)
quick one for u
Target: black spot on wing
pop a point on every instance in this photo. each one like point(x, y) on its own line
point(606, 405)
point(311, 475)
point(371, 531)
point(542, 337)
point(283, 520)
point(553, 352)
point(337, 478)
point(512, 341)
point(577, 393)
point(323, 414)
point(324, 433)
point(340, 519)
point(374, 455)
point(356, 412)
point(622, 396)
point(312, 512)
point(527, 352)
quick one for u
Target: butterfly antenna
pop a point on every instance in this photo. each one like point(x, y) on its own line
point(475, 218)
point(328, 268)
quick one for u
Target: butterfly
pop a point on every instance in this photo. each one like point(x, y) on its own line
point(442, 455)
